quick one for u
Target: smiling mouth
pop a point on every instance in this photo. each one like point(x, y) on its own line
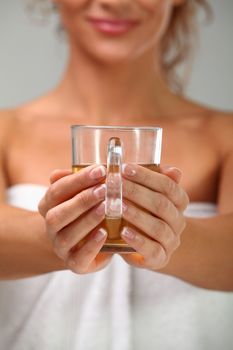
point(112, 26)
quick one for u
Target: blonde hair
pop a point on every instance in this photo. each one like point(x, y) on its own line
point(179, 40)
point(177, 44)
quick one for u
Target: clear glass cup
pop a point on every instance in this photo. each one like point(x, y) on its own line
point(113, 146)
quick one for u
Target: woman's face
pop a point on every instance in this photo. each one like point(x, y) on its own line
point(112, 31)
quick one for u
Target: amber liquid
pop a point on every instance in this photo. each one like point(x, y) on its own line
point(114, 243)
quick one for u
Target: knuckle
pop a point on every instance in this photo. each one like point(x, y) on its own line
point(90, 222)
point(82, 176)
point(134, 214)
point(52, 193)
point(177, 242)
point(53, 175)
point(61, 253)
point(174, 244)
point(52, 219)
point(160, 228)
point(93, 218)
point(130, 189)
point(61, 242)
point(84, 199)
point(146, 177)
point(141, 243)
point(41, 207)
point(181, 225)
point(163, 257)
point(156, 255)
point(163, 205)
point(168, 186)
point(185, 200)
point(171, 188)
point(165, 261)
point(184, 225)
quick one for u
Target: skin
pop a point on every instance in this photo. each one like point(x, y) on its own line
point(102, 81)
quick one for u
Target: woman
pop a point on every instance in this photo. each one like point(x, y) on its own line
point(120, 72)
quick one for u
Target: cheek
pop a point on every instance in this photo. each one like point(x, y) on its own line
point(69, 10)
point(72, 4)
point(158, 12)
point(157, 8)
point(153, 3)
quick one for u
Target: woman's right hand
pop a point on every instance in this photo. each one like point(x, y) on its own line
point(73, 208)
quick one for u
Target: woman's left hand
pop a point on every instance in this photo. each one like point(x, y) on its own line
point(161, 221)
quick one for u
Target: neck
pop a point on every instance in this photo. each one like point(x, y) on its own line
point(113, 93)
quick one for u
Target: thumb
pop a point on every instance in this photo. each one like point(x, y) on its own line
point(172, 172)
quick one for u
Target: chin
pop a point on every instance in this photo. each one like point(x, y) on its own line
point(111, 54)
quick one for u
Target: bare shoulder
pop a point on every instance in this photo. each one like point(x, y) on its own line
point(13, 119)
point(7, 118)
point(10, 119)
point(12, 116)
point(221, 126)
point(6, 121)
point(222, 119)
point(216, 125)
point(27, 113)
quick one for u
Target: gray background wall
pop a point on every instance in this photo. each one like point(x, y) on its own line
point(32, 57)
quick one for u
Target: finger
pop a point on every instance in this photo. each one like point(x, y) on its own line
point(68, 186)
point(156, 182)
point(63, 214)
point(74, 233)
point(57, 174)
point(156, 203)
point(151, 253)
point(173, 172)
point(154, 228)
point(84, 260)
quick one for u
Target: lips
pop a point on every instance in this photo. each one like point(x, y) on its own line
point(112, 26)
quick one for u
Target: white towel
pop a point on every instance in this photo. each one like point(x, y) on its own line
point(117, 308)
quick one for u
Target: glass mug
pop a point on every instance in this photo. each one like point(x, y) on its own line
point(113, 146)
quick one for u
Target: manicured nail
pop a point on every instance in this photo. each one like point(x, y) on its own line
point(178, 174)
point(99, 191)
point(100, 210)
point(174, 169)
point(100, 234)
point(98, 172)
point(128, 233)
point(128, 169)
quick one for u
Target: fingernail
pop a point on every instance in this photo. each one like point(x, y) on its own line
point(128, 169)
point(176, 170)
point(99, 192)
point(178, 174)
point(98, 172)
point(100, 210)
point(126, 232)
point(100, 234)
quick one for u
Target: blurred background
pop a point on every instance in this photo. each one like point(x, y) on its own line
point(32, 57)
